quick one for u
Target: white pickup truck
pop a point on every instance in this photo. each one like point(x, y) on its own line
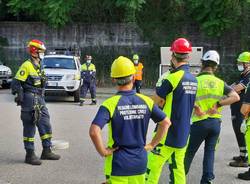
point(5, 76)
point(63, 73)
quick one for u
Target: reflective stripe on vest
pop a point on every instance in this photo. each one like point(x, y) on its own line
point(210, 91)
point(174, 79)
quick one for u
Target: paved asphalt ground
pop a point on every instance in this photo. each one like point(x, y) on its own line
point(80, 164)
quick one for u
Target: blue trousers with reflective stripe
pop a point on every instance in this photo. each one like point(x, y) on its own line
point(206, 130)
point(29, 128)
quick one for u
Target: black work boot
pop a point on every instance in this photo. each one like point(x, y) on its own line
point(81, 103)
point(242, 162)
point(237, 158)
point(31, 158)
point(93, 102)
point(245, 175)
point(47, 154)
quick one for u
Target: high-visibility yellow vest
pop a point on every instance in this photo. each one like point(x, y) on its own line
point(210, 91)
point(86, 67)
point(29, 74)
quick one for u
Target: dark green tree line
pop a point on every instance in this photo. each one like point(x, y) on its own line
point(213, 16)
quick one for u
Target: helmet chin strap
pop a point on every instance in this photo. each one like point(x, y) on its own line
point(35, 59)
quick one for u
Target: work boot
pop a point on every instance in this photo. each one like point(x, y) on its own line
point(93, 102)
point(242, 162)
point(237, 158)
point(47, 154)
point(81, 103)
point(31, 158)
point(245, 175)
point(208, 182)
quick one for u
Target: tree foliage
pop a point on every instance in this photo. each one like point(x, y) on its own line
point(131, 7)
point(54, 12)
point(215, 16)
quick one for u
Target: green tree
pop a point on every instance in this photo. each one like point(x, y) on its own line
point(96, 11)
point(215, 16)
point(131, 7)
point(54, 12)
point(3, 9)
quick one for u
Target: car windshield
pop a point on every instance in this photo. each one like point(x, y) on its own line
point(61, 63)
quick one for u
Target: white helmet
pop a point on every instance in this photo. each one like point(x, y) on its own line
point(211, 55)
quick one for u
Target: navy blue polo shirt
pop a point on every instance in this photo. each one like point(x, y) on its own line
point(179, 90)
point(128, 115)
point(246, 99)
point(243, 80)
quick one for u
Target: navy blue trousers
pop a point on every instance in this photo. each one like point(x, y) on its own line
point(91, 86)
point(206, 130)
point(237, 119)
point(29, 126)
point(137, 86)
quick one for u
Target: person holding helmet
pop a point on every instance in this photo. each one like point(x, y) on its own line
point(127, 115)
point(243, 63)
point(138, 74)
point(176, 95)
point(28, 86)
point(212, 94)
point(245, 129)
point(88, 74)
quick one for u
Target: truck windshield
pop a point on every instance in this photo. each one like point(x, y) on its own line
point(61, 63)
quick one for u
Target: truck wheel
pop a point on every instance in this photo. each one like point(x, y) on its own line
point(77, 95)
point(6, 85)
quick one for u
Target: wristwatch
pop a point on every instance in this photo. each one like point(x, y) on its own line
point(218, 104)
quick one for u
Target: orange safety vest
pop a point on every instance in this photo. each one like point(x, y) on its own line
point(138, 74)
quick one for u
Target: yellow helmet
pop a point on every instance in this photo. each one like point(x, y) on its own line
point(122, 67)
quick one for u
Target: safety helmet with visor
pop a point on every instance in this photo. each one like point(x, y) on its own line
point(243, 60)
point(36, 48)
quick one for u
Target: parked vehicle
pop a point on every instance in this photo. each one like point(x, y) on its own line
point(63, 72)
point(194, 60)
point(5, 76)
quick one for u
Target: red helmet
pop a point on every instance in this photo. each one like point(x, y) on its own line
point(88, 57)
point(35, 45)
point(182, 46)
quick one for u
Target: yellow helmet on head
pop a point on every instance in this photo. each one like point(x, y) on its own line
point(122, 67)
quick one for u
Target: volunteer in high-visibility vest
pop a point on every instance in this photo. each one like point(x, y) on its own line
point(88, 75)
point(212, 94)
point(127, 115)
point(138, 73)
point(243, 62)
point(176, 95)
point(28, 86)
point(245, 129)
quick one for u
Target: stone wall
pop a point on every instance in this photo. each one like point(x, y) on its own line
point(82, 35)
point(107, 41)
